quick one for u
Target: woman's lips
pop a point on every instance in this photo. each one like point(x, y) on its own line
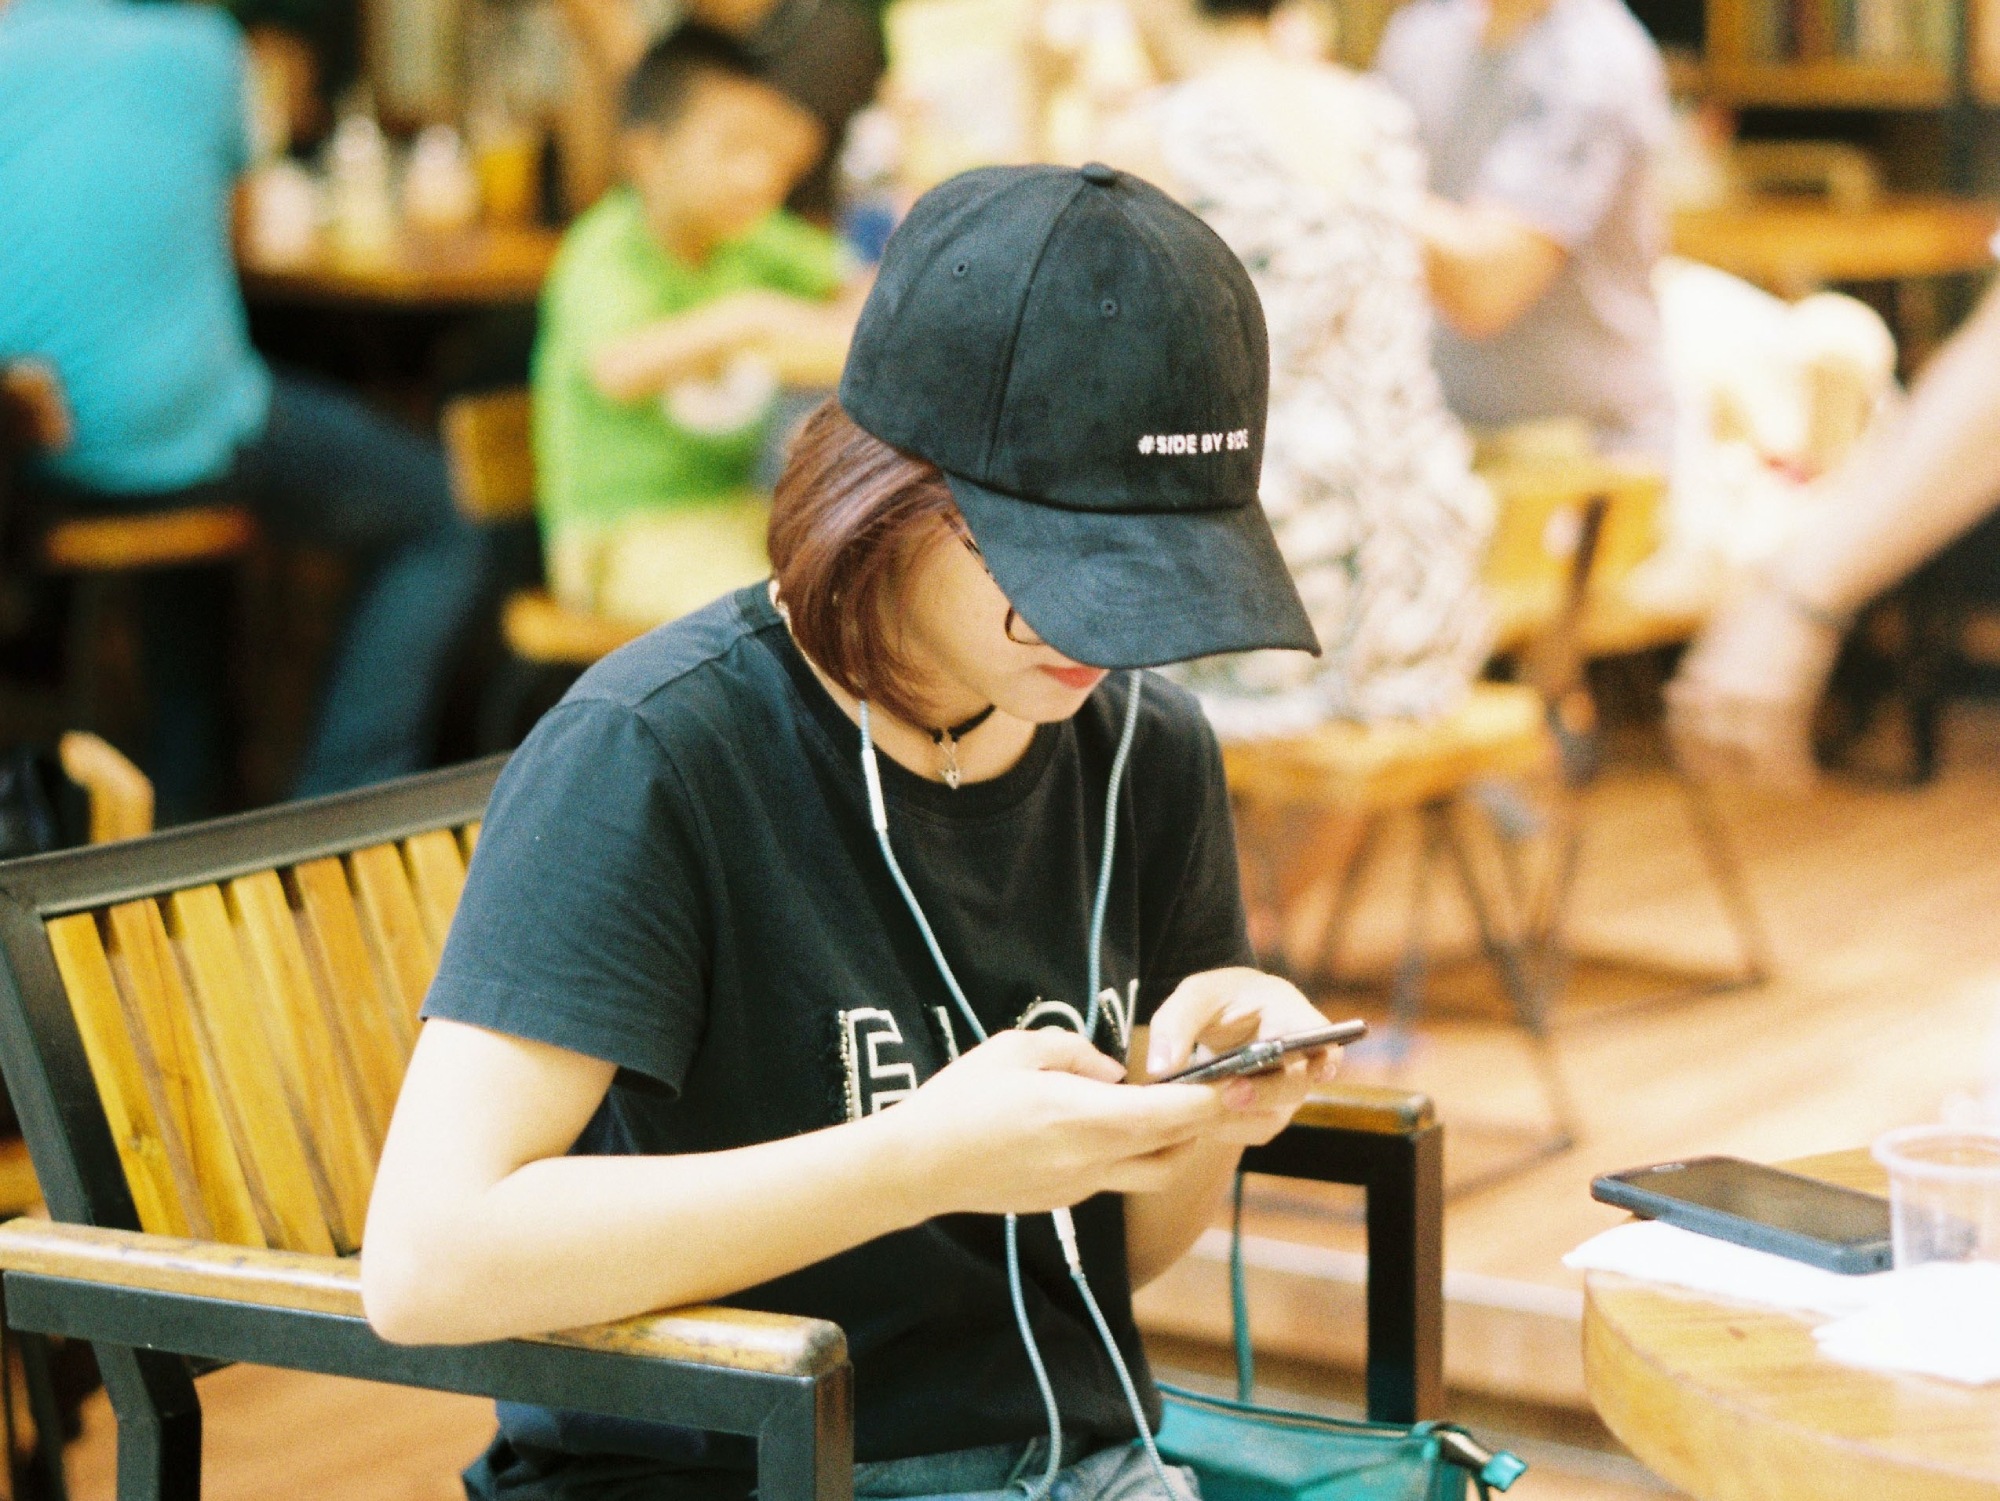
point(1080, 679)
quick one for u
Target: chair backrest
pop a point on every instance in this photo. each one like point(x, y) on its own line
point(204, 1033)
point(1541, 505)
point(489, 451)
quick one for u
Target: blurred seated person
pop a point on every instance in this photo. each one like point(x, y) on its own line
point(825, 54)
point(1311, 174)
point(1541, 120)
point(676, 308)
point(1742, 704)
point(122, 133)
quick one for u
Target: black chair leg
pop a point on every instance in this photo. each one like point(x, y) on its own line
point(1406, 1001)
point(1526, 994)
point(1406, 1280)
point(1727, 869)
point(159, 1424)
point(1325, 966)
point(47, 1461)
point(38, 1474)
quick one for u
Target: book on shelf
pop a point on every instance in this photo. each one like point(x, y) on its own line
point(1860, 31)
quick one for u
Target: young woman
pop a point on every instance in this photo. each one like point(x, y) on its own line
point(807, 937)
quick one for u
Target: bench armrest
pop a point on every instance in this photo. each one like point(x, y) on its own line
point(737, 1338)
point(1379, 1109)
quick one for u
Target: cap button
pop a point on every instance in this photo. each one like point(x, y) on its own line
point(1098, 173)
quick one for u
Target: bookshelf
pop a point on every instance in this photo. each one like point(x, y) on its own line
point(1844, 54)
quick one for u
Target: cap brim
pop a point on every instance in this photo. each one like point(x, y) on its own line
point(1138, 589)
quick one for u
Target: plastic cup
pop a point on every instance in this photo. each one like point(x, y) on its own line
point(1944, 1193)
point(508, 162)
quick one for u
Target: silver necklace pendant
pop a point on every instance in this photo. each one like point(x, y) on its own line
point(948, 761)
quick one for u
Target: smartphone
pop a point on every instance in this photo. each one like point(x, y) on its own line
point(1265, 1055)
point(1764, 1208)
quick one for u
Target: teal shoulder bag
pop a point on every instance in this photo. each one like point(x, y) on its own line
point(1243, 1452)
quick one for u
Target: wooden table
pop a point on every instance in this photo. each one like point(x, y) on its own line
point(1792, 247)
point(1735, 1403)
point(478, 267)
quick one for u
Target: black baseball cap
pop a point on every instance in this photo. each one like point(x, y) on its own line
point(1086, 362)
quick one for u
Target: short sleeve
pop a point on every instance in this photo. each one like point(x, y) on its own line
point(584, 923)
point(223, 70)
point(787, 254)
point(1558, 163)
point(1194, 921)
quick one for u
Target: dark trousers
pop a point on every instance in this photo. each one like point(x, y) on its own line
point(330, 471)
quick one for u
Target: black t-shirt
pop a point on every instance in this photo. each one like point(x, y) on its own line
point(677, 874)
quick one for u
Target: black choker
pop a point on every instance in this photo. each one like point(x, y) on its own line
point(946, 740)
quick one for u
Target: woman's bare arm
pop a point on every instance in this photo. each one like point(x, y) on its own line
point(805, 342)
point(1487, 265)
point(481, 1228)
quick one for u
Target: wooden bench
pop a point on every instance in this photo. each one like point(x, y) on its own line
point(204, 1032)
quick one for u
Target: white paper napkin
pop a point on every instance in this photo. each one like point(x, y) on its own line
point(1659, 1252)
point(1940, 1320)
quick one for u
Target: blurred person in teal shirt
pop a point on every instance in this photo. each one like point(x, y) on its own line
point(122, 135)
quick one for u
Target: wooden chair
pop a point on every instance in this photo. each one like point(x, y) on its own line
point(1542, 502)
point(489, 451)
point(1375, 772)
point(103, 550)
point(204, 1033)
point(120, 802)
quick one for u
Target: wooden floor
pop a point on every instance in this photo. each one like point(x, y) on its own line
point(1884, 911)
point(277, 1435)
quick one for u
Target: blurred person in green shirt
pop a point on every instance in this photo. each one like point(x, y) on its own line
point(677, 308)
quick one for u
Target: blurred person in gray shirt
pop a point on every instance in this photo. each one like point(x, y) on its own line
point(1541, 119)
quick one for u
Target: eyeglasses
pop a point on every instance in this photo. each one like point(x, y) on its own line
point(1013, 615)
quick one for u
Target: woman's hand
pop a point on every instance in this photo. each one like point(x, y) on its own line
point(1225, 1008)
point(1032, 1121)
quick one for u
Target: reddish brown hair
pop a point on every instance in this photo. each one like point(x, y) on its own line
point(849, 516)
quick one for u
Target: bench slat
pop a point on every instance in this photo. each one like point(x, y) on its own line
point(395, 928)
point(331, 925)
point(156, 1168)
point(437, 872)
point(311, 1054)
point(291, 1186)
point(150, 978)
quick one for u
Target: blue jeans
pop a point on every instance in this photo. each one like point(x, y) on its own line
point(329, 471)
point(521, 1471)
point(1007, 1472)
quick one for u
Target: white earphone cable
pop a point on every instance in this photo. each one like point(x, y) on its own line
point(1065, 1225)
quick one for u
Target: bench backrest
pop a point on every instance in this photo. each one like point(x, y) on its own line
point(206, 1031)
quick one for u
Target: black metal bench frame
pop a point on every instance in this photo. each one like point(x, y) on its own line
point(151, 1344)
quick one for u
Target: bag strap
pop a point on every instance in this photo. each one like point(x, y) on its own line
point(1239, 1301)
